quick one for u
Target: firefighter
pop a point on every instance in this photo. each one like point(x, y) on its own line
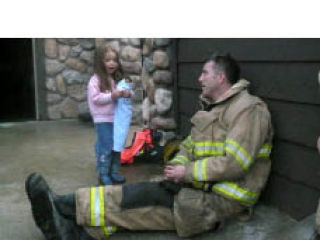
point(218, 173)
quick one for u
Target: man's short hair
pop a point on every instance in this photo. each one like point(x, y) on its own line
point(226, 63)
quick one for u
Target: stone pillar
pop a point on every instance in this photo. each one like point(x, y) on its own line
point(158, 84)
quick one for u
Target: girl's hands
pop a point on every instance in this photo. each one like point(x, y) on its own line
point(126, 93)
point(120, 93)
point(116, 94)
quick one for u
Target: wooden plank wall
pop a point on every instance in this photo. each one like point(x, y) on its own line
point(284, 73)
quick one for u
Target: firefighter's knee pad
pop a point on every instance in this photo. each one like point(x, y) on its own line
point(145, 194)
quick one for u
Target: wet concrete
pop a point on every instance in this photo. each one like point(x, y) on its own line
point(63, 152)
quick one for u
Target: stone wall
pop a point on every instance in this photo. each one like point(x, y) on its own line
point(69, 66)
point(157, 81)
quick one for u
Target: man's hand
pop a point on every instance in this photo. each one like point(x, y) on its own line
point(175, 173)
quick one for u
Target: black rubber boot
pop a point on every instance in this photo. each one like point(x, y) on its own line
point(115, 165)
point(66, 205)
point(53, 225)
point(104, 176)
point(104, 167)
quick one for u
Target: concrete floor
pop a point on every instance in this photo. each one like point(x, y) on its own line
point(63, 152)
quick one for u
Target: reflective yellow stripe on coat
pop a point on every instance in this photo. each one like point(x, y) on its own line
point(180, 159)
point(199, 170)
point(235, 192)
point(239, 153)
point(219, 149)
point(188, 144)
point(208, 148)
point(230, 190)
point(98, 212)
point(265, 151)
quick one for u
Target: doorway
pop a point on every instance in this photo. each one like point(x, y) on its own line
point(17, 84)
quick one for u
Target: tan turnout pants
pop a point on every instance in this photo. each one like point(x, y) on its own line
point(91, 213)
point(99, 211)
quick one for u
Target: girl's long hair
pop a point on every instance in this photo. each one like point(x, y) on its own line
point(101, 71)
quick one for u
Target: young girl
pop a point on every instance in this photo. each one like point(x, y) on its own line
point(102, 97)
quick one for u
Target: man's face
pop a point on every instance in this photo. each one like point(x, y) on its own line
point(209, 80)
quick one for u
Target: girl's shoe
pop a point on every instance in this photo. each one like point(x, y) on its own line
point(104, 167)
point(115, 165)
point(105, 180)
point(117, 178)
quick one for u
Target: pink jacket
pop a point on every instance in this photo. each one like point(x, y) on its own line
point(101, 104)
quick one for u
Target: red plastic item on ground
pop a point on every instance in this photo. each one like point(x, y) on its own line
point(142, 141)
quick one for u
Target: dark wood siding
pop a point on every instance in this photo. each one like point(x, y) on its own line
point(284, 73)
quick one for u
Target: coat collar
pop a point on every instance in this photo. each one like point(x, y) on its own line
point(235, 89)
